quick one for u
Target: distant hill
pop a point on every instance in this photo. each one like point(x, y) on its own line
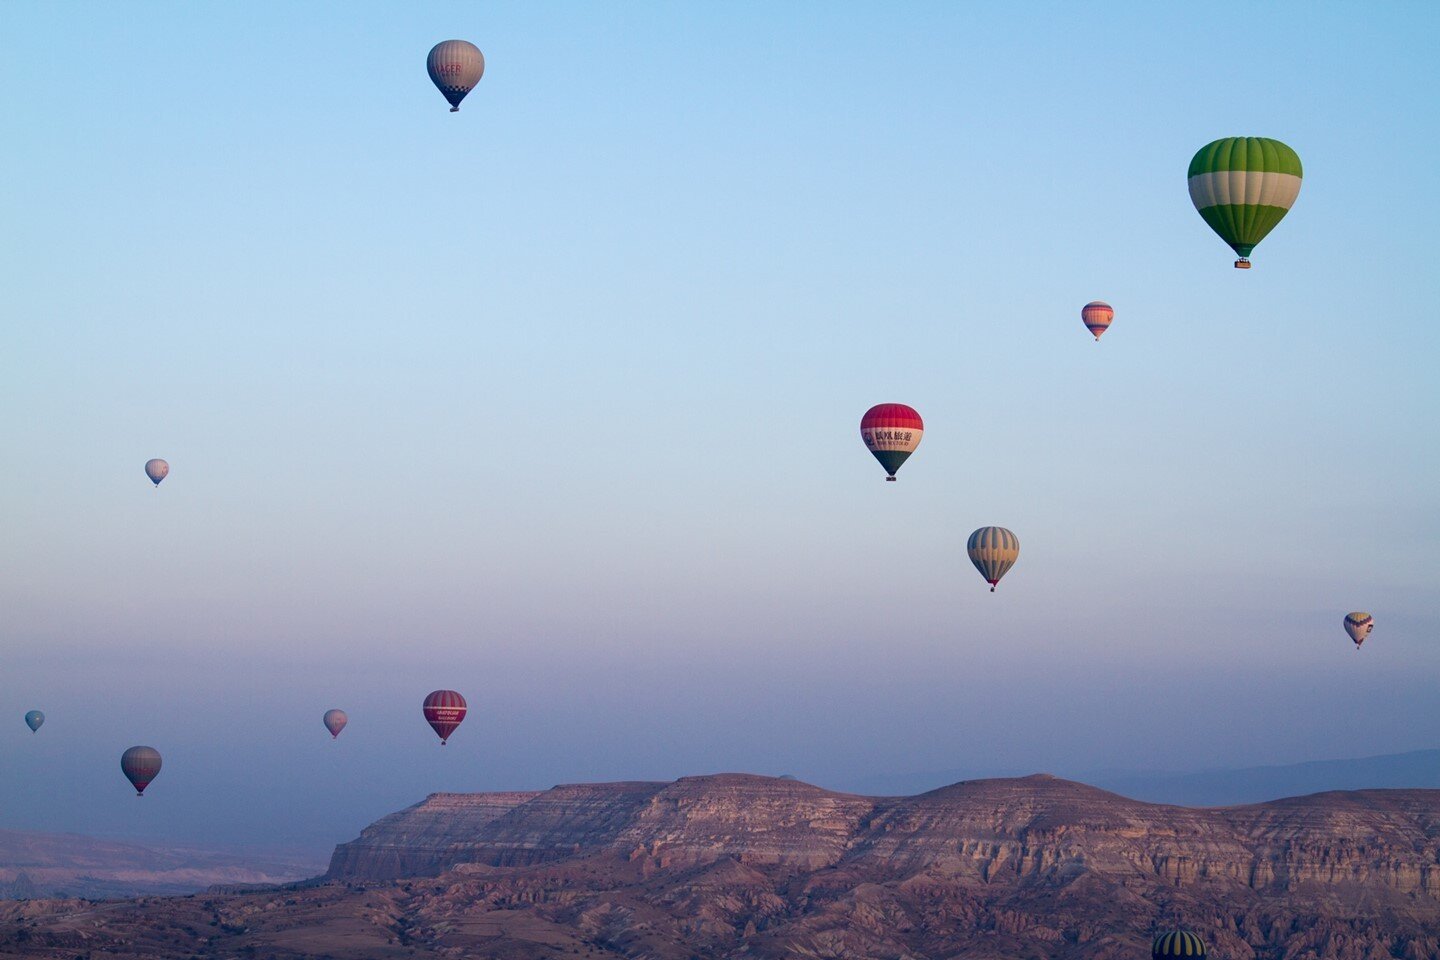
point(44, 865)
point(1419, 769)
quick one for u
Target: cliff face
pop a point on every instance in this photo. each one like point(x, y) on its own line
point(737, 866)
point(1000, 862)
point(989, 830)
point(427, 838)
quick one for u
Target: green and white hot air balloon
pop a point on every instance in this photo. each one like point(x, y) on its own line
point(1243, 186)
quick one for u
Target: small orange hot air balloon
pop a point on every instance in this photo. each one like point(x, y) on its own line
point(1097, 315)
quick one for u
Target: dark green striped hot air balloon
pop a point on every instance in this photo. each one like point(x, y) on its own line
point(1243, 186)
point(1177, 943)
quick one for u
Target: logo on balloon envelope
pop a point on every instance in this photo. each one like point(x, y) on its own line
point(455, 66)
point(891, 432)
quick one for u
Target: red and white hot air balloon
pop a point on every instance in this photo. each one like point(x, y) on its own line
point(891, 431)
point(1097, 315)
point(444, 709)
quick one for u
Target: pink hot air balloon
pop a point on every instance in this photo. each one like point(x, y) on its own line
point(1097, 315)
point(140, 766)
point(157, 470)
point(335, 721)
point(444, 709)
point(891, 432)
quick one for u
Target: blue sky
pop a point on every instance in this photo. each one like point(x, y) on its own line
point(555, 400)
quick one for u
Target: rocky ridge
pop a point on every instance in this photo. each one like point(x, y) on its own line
point(739, 866)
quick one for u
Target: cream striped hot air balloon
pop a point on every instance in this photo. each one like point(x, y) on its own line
point(994, 551)
point(1243, 187)
point(1358, 624)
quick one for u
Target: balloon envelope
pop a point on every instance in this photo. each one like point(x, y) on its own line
point(891, 432)
point(157, 470)
point(140, 766)
point(444, 709)
point(455, 66)
point(994, 551)
point(34, 719)
point(1097, 315)
point(335, 721)
point(1243, 187)
point(1359, 624)
point(1177, 944)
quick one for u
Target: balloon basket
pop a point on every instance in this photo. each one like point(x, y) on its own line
point(1242, 264)
point(890, 479)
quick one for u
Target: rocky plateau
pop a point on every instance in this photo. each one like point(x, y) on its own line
point(740, 866)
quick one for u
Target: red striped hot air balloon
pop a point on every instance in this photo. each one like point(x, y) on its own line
point(1097, 315)
point(891, 431)
point(444, 709)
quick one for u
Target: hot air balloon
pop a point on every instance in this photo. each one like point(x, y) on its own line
point(335, 721)
point(444, 709)
point(455, 67)
point(156, 470)
point(34, 719)
point(892, 431)
point(1243, 186)
point(1178, 943)
point(1097, 315)
point(1359, 624)
point(140, 765)
point(994, 551)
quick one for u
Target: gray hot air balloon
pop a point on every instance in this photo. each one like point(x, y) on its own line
point(157, 470)
point(140, 765)
point(994, 551)
point(34, 719)
point(335, 721)
point(455, 66)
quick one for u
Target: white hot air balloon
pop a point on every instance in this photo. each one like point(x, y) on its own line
point(455, 66)
point(335, 721)
point(157, 470)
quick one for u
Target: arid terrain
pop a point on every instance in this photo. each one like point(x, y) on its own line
point(744, 866)
point(36, 865)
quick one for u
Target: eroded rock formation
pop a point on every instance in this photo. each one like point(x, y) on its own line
point(737, 866)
